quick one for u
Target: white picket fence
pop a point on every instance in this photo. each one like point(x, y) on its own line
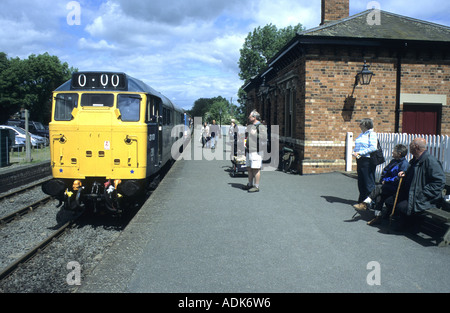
point(439, 146)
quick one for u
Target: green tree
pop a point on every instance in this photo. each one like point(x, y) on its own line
point(259, 47)
point(200, 107)
point(220, 111)
point(217, 108)
point(12, 89)
point(45, 73)
point(4, 62)
point(29, 84)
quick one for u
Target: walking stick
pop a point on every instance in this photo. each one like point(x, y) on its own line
point(395, 201)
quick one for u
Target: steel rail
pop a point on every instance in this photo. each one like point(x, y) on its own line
point(23, 211)
point(12, 193)
point(10, 268)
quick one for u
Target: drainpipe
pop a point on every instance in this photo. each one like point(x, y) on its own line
point(398, 88)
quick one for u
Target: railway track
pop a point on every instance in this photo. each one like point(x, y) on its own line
point(39, 235)
point(23, 189)
point(9, 269)
point(16, 214)
point(20, 212)
point(37, 247)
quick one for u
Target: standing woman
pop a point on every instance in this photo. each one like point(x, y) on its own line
point(205, 134)
point(365, 144)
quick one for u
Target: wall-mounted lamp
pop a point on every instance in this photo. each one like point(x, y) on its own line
point(364, 77)
point(264, 87)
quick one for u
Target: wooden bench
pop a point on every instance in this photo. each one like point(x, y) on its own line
point(441, 217)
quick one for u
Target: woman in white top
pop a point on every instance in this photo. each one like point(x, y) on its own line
point(206, 136)
point(365, 144)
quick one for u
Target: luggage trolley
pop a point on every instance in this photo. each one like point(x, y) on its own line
point(238, 165)
point(238, 161)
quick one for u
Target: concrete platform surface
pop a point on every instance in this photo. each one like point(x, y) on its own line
point(200, 233)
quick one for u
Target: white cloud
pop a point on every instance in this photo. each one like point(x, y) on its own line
point(185, 49)
point(176, 12)
point(24, 30)
point(88, 44)
point(284, 13)
point(174, 56)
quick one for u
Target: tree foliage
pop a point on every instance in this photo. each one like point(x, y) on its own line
point(218, 108)
point(261, 45)
point(29, 84)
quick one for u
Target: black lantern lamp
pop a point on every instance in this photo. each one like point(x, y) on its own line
point(264, 87)
point(365, 76)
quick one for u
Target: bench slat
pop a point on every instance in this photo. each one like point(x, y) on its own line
point(439, 214)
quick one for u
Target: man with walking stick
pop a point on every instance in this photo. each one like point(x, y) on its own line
point(422, 184)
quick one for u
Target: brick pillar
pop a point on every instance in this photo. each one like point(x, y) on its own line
point(333, 10)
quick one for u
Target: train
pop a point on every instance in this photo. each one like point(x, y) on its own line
point(110, 135)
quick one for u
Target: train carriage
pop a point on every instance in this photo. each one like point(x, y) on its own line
point(109, 134)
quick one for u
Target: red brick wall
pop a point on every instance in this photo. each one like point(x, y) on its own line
point(324, 112)
point(428, 75)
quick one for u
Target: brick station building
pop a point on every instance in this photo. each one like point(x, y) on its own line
point(308, 87)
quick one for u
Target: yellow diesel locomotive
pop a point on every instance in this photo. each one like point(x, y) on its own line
point(109, 134)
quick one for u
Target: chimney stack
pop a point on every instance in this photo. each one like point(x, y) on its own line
point(333, 10)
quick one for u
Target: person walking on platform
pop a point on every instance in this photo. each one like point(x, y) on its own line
point(256, 135)
point(233, 137)
point(215, 132)
point(205, 134)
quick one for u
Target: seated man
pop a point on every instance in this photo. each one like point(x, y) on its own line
point(389, 183)
point(422, 184)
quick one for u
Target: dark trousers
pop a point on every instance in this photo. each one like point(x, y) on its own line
point(401, 207)
point(366, 178)
point(380, 195)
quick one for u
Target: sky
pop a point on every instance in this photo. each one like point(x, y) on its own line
point(185, 49)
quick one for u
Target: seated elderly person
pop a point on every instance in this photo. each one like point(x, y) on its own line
point(422, 184)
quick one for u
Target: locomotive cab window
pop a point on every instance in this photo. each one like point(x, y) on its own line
point(152, 109)
point(97, 100)
point(65, 103)
point(129, 106)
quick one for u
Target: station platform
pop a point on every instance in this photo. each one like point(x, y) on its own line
point(199, 232)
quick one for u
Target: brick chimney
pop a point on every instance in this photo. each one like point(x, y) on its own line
point(333, 10)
